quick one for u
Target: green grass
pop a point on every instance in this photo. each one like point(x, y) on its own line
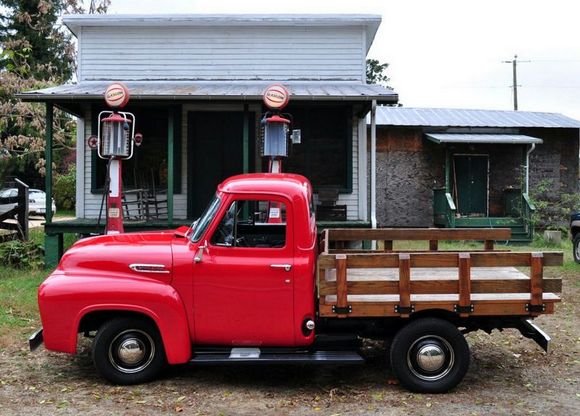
point(539, 244)
point(18, 304)
point(64, 213)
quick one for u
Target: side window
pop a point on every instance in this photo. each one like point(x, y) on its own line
point(252, 223)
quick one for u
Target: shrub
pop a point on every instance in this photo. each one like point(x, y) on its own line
point(65, 189)
point(552, 208)
point(21, 254)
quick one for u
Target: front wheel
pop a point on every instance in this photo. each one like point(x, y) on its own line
point(576, 248)
point(128, 351)
point(429, 355)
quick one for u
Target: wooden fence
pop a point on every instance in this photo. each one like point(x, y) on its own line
point(15, 220)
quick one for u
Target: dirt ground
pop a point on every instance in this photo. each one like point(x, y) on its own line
point(508, 375)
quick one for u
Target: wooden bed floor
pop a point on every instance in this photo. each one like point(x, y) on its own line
point(475, 297)
point(440, 273)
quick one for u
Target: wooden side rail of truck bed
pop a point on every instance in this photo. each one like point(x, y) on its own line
point(468, 283)
point(335, 239)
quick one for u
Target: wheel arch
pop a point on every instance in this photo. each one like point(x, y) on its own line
point(172, 327)
point(443, 314)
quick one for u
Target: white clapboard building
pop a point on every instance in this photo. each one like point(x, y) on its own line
point(196, 84)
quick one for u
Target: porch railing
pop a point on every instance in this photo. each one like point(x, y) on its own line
point(528, 209)
point(444, 209)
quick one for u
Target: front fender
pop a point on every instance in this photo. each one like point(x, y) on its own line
point(65, 300)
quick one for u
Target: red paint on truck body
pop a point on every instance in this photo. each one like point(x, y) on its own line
point(231, 297)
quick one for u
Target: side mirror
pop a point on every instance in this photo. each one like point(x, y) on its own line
point(199, 255)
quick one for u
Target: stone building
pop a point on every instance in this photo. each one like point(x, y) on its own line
point(470, 168)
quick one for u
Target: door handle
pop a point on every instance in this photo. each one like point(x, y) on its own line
point(199, 255)
point(286, 267)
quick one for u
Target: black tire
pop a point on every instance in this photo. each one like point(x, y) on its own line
point(576, 248)
point(139, 340)
point(429, 355)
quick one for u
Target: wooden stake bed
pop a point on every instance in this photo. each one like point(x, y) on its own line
point(358, 283)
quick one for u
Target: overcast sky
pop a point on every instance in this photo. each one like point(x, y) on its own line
point(449, 53)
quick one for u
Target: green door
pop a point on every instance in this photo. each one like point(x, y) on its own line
point(471, 182)
point(215, 152)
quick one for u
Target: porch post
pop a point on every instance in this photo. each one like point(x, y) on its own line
point(246, 140)
point(373, 165)
point(447, 170)
point(53, 246)
point(48, 160)
point(170, 167)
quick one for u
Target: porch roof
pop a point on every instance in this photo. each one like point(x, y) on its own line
point(482, 138)
point(215, 90)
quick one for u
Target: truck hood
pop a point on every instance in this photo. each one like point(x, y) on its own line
point(123, 255)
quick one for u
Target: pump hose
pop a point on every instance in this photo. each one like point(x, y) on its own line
point(105, 194)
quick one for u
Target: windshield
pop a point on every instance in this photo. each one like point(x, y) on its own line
point(202, 223)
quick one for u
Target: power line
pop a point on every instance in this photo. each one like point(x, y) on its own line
point(514, 63)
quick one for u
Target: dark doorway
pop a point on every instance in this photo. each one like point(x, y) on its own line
point(215, 152)
point(471, 184)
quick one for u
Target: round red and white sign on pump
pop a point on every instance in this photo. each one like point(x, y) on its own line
point(117, 95)
point(276, 97)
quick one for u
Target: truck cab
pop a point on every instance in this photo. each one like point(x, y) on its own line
point(249, 264)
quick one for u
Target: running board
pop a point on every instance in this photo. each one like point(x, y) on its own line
point(256, 356)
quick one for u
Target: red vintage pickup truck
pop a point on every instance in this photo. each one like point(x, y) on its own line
point(252, 281)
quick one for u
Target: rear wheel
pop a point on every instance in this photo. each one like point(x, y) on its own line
point(576, 248)
point(128, 351)
point(429, 355)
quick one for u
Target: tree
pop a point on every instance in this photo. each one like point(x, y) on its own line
point(376, 72)
point(35, 52)
point(33, 44)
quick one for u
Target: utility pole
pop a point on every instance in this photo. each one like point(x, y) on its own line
point(515, 85)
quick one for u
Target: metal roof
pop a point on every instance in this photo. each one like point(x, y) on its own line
point(482, 138)
point(216, 90)
point(445, 117)
point(370, 22)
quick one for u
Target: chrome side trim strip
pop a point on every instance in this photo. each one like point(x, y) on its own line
point(148, 268)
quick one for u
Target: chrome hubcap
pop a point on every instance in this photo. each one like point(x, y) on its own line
point(578, 250)
point(131, 351)
point(430, 358)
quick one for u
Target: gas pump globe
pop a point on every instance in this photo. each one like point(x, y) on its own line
point(114, 142)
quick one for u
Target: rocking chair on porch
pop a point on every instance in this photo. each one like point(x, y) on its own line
point(146, 202)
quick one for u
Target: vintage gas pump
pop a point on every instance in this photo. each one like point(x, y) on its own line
point(114, 142)
point(276, 127)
